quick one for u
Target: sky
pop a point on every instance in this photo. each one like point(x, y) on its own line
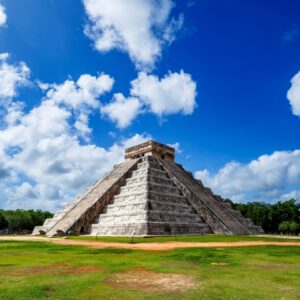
point(82, 80)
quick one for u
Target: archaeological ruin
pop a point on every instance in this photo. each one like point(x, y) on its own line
point(149, 194)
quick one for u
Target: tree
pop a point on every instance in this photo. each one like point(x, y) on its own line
point(270, 217)
point(284, 227)
point(19, 220)
point(293, 227)
point(38, 216)
point(3, 222)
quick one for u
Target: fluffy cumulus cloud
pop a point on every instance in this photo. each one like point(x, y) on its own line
point(50, 165)
point(81, 96)
point(270, 177)
point(122, 110)
point(44, 161)
point(174, 93)
point(293, 94)
point(84, 92)
point(12, 76)
point(3, 16)
point(140, 28)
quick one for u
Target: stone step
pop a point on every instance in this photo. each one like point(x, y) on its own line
point(128, 210)
point(151, 172)
point(148, 189)
point(138, 195)
point(145, 212)
point(131, 223)
point(121, 219)
point(151, 228)
point(146, 178)
point(142, 215)
point(149, 164)
point(149, 186)
point(137, 229)
point(156, 228)
point(180, 207)
point(149, 204)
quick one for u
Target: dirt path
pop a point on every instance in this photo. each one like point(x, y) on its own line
point(148, 246)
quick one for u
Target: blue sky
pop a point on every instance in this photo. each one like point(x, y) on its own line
point(210, 77)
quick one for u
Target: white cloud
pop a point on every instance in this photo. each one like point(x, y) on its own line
point(141, 28)
point(3, 16)
point(266, 178)
point(81, 96)
point(46, 157)
point(176, 146)
point(294, 194)
point(174, 93)
point(122, 110)
point(84, 92)
point(293, 94)
point(52, 165)
point(82, 126)
point(12, 76)
point(135, 140)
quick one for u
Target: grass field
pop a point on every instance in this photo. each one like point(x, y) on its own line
point(38, 270)
point(193, 238)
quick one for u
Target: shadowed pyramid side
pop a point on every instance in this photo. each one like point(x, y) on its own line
point(219, 216)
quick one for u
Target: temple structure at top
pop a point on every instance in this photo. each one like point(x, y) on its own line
point(150, 148)
point(149, 194)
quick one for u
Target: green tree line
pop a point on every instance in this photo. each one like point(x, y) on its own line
point(14, 221)
point(281, 217)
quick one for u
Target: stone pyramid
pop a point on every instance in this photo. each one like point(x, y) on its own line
point(148, 195)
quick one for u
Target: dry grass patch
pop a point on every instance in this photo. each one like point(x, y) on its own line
point(151, 281)
point(273, 265)
point(55, 269)
point(219, 264)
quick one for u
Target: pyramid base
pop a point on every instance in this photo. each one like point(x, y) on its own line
point(151, 229)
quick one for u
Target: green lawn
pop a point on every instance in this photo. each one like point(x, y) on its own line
point(38, 270)
point(195, 238)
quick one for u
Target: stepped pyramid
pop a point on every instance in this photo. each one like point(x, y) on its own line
point(148, 195)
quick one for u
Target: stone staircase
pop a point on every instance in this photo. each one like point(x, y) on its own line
point(148, 204)
point(76, 217)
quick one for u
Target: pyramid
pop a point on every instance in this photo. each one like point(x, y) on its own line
point(148, 195)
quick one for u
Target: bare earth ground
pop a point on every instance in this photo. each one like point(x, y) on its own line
point(152, 281)
point(148, 246)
